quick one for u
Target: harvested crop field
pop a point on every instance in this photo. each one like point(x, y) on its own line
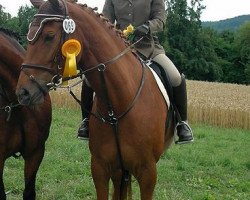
point(220, 104)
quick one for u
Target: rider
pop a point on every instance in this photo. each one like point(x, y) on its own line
point(148, 16)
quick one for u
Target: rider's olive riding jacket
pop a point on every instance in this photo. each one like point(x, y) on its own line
point(138, 12)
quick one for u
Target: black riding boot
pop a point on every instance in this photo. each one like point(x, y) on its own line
point(86, 105)
point(184, 131)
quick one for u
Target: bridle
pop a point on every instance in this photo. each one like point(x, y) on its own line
point(7, 109)
point(56, 77)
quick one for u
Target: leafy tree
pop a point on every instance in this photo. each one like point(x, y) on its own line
point(162, 39)
point(232, 50)
point(19, 24)
point(4, 18)
point(190, 47)
point(242, 47)
point(25, 16)
point(223, 45)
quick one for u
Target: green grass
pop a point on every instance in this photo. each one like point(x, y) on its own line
point(215, 166)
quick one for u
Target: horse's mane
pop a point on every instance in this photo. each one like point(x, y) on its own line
point(10, 33)
point(105, 21)
point(92, 11)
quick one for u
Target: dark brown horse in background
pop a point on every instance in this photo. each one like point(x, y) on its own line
point(127, 127)
point(22, 129)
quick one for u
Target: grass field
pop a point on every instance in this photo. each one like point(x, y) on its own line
point(215, 167)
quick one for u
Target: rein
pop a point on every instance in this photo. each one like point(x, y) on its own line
point(100, 66)
point(7, 109)
point(108, 101)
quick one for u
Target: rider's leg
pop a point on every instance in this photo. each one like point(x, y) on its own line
point(86, 105)
point(178, 82)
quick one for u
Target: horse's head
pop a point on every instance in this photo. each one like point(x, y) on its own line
point(52, 56)
point(42, 67)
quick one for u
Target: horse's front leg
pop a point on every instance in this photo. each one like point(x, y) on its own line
point(147, 179)
point(116, 179)
point(101, 179)
point(2, 191)
point(31, 166)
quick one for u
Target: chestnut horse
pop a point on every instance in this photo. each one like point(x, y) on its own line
point(128, 132)
point(22, 130)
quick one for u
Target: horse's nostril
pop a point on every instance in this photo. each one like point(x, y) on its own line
point(24, 92)
point(23, 96)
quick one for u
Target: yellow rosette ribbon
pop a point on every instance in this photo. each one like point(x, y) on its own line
point(70, 49)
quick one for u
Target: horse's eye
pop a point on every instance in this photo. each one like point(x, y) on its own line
point(49, 37)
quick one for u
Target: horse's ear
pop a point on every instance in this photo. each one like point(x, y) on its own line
point(55, 3)
point(36, 3)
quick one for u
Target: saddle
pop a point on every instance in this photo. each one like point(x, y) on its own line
point(162, 74)
point(164, 77)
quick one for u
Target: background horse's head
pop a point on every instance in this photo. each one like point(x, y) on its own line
point(42, 65)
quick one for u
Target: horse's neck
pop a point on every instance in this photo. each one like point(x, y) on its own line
point(123, 75)
point(11, 52)
point(11, 58)
point(8, 80)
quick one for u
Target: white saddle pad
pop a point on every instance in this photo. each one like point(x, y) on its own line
point(161, 86)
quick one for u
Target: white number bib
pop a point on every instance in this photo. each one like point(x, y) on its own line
point(69, 25)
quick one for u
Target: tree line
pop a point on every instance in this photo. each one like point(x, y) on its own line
point(227, 24)
point(201, 53)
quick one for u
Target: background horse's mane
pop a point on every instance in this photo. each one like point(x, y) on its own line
point(9, 58)
point(10, 33)
point(14, 38)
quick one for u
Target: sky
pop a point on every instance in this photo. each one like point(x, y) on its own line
point(215, 9)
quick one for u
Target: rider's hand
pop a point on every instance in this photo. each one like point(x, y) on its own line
point(142, 30)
